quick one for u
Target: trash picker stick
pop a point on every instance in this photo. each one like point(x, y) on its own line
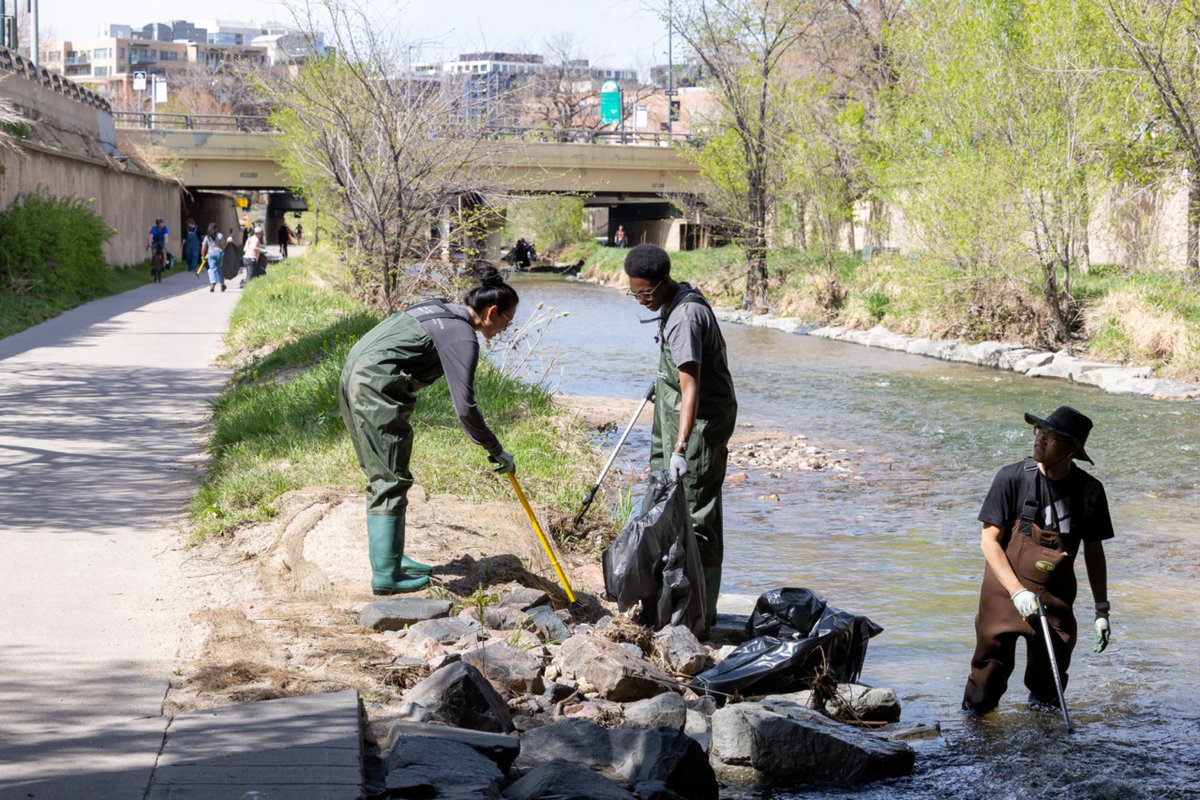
point(1062, 701)
point(587, 501)
point(562, 578)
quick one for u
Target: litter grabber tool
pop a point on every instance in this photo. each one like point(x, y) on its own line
point(537, 528)
point(591, 495)
point(1058, 687)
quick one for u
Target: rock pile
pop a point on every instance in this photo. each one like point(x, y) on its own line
point(512, 698)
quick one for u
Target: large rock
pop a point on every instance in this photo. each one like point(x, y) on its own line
point(785, 742)
point(575, 740)
point(564, 780)
point(682, 651)
point(395, 615)
point(666, 709)
point(496, 747)
point(854, 702)
point(459, 695)
point(517, 670)
point(610, 670)
point(418, 766)
point(663, 755)
point(635, 756)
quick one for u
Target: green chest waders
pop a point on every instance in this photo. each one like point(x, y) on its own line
point(377, 394)
point(1044, 562)
point(707, 448)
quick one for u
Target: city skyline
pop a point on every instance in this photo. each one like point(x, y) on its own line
point(621, 33)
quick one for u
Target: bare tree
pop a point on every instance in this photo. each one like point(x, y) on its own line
point(387, 156)
point(741, 44)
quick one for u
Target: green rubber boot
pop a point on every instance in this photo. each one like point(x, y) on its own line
point(712, 586)
point(385, 543)
point(414, 567)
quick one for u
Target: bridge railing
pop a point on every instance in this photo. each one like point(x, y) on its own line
point(15, 63)
point(228, 122)
point(191, 122)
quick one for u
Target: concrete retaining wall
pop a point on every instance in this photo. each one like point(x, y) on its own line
point(128, 203)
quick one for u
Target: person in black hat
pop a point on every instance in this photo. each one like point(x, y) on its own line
point(1035, 517)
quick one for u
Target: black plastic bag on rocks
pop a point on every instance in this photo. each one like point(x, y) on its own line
point(797, 637)
point(655, 560)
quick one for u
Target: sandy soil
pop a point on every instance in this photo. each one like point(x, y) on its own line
point(278, 603)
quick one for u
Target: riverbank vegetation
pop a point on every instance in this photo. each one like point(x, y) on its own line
point(52, 260)
point(277, 426)
point(1149, 317)
point(1000, 147)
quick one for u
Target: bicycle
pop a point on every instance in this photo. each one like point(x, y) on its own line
point(158, 262)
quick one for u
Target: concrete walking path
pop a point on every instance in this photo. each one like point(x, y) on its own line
point(102, 414)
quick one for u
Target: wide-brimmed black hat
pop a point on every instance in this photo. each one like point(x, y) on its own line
point(1068, 422)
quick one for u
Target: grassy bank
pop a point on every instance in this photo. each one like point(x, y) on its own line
point(21, 310)
point(1149, 317)
point(277, 427)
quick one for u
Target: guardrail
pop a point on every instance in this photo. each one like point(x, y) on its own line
point(256, 124)
point(191, 122)
point(15, 63)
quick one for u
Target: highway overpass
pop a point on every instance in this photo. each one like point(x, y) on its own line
point(231, 160)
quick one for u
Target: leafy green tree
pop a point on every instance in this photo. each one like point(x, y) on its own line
point(1001, 136)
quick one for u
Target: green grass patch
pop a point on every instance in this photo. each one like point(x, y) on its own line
point(21, 310)
point(278, 428)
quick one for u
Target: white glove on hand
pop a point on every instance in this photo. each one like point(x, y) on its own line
point(504, 462)
point(1026, 603)
point(1102, 632)
point(678, 466)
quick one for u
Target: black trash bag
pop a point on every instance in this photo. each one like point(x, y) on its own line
point(797, 637)
point(655, 560)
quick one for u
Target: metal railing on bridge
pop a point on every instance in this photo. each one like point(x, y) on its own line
point(253, 124)
point(191, 122)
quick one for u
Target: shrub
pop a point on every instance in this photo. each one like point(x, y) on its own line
point(52, 247)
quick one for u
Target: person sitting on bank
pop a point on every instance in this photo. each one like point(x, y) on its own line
point(695, 407)
point(378, 391)
point(1035, 517)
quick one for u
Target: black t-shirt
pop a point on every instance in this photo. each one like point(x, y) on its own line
point(1074, 506)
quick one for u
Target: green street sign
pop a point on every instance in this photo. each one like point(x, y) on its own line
point(610, 103)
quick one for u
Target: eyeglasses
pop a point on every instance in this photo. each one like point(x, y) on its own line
point(1049, 436)
point(646, 295)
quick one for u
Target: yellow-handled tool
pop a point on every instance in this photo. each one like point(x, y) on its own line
point(562, 578)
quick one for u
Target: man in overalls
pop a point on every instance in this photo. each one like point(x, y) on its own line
point(695, 407)
point(1036, 515)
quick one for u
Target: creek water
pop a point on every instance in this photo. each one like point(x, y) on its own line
point(898, 541)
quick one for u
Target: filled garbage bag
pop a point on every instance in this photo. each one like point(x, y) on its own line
point(655, 560)
point(796, 637)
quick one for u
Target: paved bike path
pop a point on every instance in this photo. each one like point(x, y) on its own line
point(102, 414)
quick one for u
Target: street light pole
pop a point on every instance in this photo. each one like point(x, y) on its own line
point(670, 72)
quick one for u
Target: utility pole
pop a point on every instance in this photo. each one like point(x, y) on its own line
point(670, 72)
point(33, 32)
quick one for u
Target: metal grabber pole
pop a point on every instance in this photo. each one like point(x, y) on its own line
point(562, 577)
point(1062, 701)
point(587, 501)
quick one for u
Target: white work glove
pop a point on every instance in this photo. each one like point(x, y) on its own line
point(678, 466)
point(504, 462)
point(1026, 602)
point(1102, 627)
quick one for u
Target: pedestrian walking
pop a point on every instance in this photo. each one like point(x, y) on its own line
point(213, 249)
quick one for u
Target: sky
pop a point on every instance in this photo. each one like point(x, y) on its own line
point(613, 33)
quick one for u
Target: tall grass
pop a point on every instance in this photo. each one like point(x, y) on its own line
point(278, 427)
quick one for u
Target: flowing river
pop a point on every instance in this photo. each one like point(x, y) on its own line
point(897, 540)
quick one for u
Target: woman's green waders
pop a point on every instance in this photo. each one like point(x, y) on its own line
point(377, 394)
point(707, 455)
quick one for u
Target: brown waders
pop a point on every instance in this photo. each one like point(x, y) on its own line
point(377, 394)
point(1044, 562)
point(707, 451)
